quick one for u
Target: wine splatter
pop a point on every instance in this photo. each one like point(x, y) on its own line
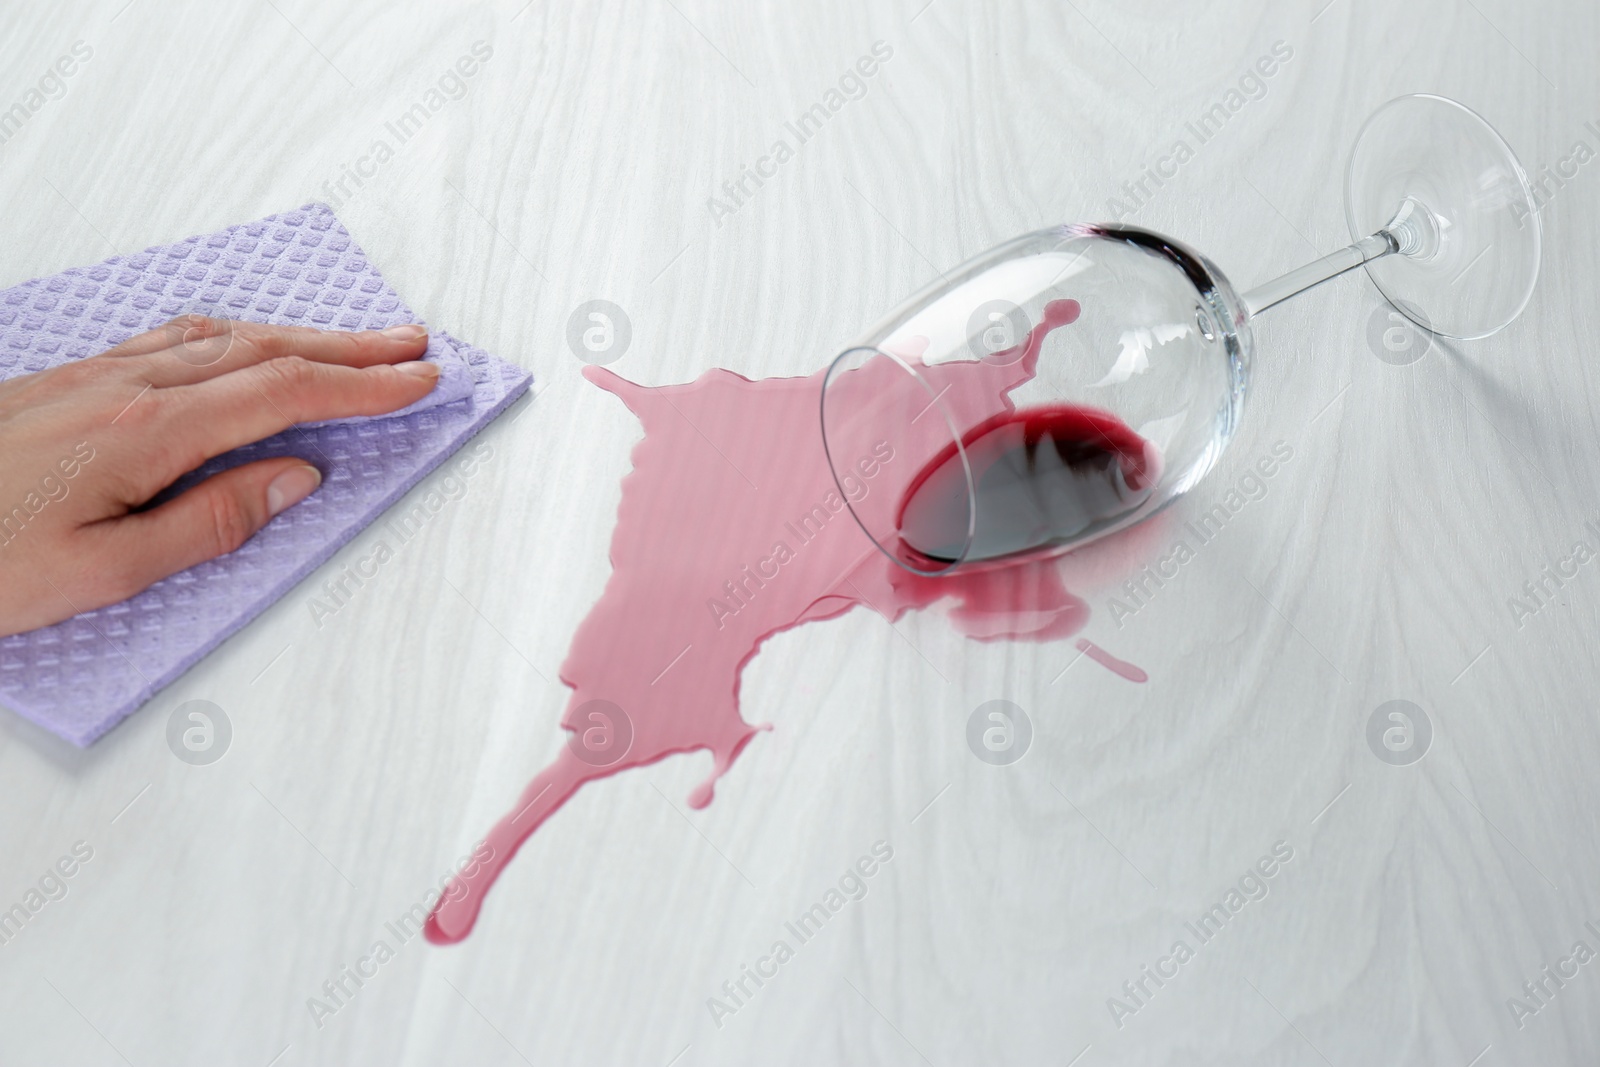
point(730, 530)
point(1110, 662)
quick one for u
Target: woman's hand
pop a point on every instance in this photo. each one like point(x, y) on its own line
point(83, 445)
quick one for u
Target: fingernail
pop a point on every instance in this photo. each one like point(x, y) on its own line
point(419, 368)
point(291, 487)
point(408, 332)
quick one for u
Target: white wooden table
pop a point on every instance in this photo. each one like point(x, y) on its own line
point(577, 163)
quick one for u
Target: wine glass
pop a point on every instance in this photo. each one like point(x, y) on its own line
point(1074, 381)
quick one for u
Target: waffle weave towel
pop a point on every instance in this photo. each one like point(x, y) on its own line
point(80, 677)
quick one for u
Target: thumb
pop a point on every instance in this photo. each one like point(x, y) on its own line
point(209, 520)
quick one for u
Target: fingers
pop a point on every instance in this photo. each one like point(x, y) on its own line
point(162, 336)
point(210, 520)
point(236, 409)
point(199, 349)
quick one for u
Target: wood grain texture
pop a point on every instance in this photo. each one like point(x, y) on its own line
point(369, 753)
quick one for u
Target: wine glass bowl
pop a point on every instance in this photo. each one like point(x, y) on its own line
point(1054, 389)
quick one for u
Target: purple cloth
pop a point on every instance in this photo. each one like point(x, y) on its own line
point(81, 677)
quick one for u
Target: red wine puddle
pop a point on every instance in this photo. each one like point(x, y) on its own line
point(730, 530)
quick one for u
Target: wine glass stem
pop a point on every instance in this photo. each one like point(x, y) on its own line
point(1278, 290)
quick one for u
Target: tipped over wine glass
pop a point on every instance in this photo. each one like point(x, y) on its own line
point(1074, 381)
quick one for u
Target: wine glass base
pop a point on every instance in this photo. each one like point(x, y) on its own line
point(1437, 176)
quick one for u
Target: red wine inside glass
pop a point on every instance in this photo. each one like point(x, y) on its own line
point(1040, 476)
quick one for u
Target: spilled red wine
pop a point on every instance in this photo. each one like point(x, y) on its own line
point(706, 567)
point(1041, 476)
